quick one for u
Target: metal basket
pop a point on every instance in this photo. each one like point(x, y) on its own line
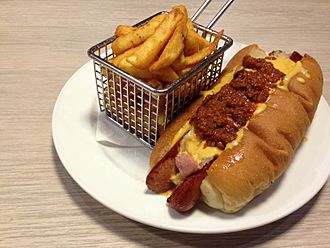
point(137, 107)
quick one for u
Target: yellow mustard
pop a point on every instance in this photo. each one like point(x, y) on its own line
point(197, 149)
point(226, 79)
point(260, 108)
point(290, 69)
point(182, 131)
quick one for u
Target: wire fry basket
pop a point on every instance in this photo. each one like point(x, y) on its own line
point(140, 109)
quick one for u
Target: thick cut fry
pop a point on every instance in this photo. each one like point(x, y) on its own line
point(190, 25)
point(116, 60)
point(190, 46)
point(185, 70)
point(136, 37)
point(156, 84)
point(194, 41)
point(173, 48)
point(183, 9)
point(194, 36)
point(179, 63)
point(199, 39)
point(167, 75)
point(124, 29)
point(162, 50)
point(197, 57)
point(135, 72)
point(152, 47)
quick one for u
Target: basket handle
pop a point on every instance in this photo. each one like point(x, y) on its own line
point(217, 16)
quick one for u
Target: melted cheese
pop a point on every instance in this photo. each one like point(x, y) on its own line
point(283, 64)
point(168, 193)
point(260, 108)
point(226, 79)
point(197, 149)
point(301, 80)
point(183, 130)
point(290, 69)
point(177, 179)
point(238, 138)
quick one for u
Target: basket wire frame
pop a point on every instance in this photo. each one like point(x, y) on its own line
point(140, 109)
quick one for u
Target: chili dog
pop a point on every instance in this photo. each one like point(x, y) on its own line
point(240, 136)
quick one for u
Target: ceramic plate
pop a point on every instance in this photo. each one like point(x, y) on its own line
point(116, 176)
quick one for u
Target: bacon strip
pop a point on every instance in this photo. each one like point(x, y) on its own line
point(185, 164)
point(295, 56)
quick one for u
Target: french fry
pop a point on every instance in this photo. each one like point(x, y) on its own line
point(199, 39)
point(173, 48)
point(154, 83)
point(151, 48)
point(197, 57)
point(179, 63)
point(190, 46)
point(135, 72)
point(194, 41)
point(185, 70)
point(202, 42)
point(116, 60)
point(124, 29)
point(162, 50)
point(138, 36)
point(190, 25)
point(183, 9)
point(167, 75)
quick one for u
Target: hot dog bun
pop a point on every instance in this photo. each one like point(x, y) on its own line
point(267, 143)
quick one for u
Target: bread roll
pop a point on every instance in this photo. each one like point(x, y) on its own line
point(266, 144)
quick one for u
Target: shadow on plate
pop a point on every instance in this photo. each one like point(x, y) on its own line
point(149, 236)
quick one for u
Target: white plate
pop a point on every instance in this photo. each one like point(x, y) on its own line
point(116, 176)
